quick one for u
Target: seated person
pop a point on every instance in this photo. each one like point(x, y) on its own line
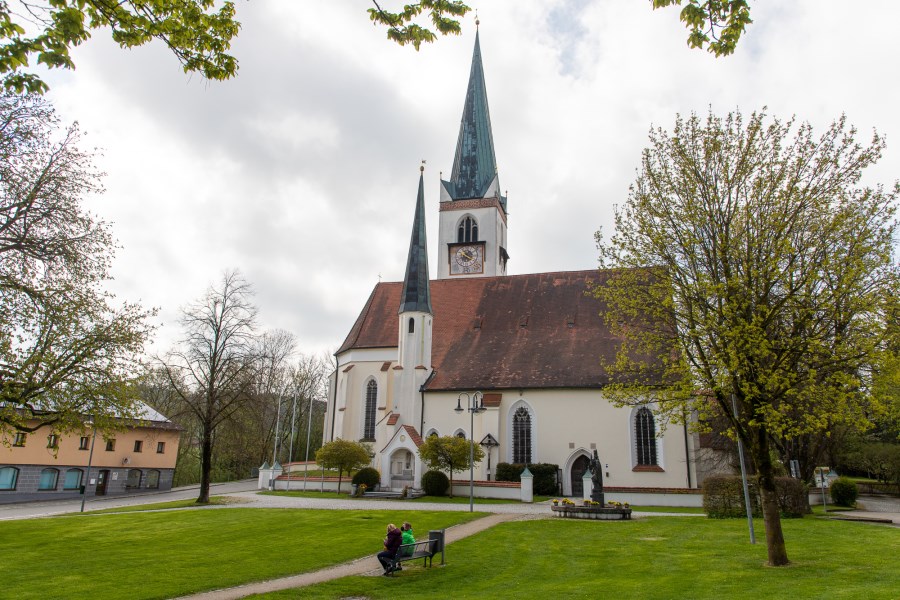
point(391, 545)
point(408, 538)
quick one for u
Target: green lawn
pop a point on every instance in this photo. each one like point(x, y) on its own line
point(213, 501)
point(147, 555)
point(653, 558)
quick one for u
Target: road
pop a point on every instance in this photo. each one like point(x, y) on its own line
point(29, 510)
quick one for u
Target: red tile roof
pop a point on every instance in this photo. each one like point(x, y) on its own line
point(536, 331)
point(413, 435)
point(392, 420)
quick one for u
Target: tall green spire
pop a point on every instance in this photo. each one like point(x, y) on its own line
point(416, 295)
point(474, 172)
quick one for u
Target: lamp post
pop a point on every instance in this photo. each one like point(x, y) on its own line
point(474, 404)
point(90, 459)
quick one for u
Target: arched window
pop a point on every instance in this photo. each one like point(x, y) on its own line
point(432, 433)
point(461, 434)
point(467, 231)
point(521, 436)
point(153, 479)
point(8, 478)
point(134, 478)
point(412, 325)
point(49, 477)
point(73, 479)
point(645, 437)
point(369, 418)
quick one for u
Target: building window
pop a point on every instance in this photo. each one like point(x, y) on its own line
point(432, 433)
point(8, 477)
point(73, 479)
point(53, 441)
point(160, 447)
point(371, 398)
point(468, 230)
point(153, 479)
point(20, 440)
point(521, 436)
point(138, 446)
point(461, 434)
point(134, 479)
point(83, 442)
point(111, 445)
point(412, 325)
point(49, 477)
point(645, 437)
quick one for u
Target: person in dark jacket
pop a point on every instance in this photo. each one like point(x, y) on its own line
point(391, 545)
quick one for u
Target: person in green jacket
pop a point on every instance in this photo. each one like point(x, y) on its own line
point(408, 537)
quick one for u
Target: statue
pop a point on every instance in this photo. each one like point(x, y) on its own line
point(596, 470)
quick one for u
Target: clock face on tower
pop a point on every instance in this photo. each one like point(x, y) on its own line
point(466, 259)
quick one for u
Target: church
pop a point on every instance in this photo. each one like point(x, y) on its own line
point(530, 344)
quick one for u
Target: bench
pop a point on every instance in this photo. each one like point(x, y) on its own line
point(425, 550)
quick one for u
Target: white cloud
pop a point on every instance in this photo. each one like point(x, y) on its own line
point(302, 171)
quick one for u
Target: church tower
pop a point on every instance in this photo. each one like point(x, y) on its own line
point(415, 317)
point(472, 230)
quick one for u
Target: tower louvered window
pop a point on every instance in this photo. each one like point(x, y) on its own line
point(468, 230)
point(521, 436)
point(371, 398)
point(645, 437)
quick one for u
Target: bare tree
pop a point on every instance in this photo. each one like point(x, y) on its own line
point(215, 367)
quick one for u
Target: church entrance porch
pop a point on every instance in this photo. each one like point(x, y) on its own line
point(579, 468)
point(402, 469)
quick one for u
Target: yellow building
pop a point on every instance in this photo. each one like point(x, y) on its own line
point(44, 464)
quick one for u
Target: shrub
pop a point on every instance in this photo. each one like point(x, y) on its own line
point(723, 497)
point(843, 491)
point(793, 497)
point(545, 483)
point(435, 483)
point(367, 476)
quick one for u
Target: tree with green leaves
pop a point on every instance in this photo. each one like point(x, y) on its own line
point(197, 32)
point(756, 271)
point(403, 28)
point(343, 455)
point(449, 453)
point(67, 348)
point(715, 24)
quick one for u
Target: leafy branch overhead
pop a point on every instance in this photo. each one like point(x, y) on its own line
point(197, 33)
point(403, 28)
point(716, 24)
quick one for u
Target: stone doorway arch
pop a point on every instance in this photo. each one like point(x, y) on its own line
point(576, 472)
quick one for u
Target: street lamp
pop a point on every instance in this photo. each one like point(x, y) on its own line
point(474, 404)
point(90, 458)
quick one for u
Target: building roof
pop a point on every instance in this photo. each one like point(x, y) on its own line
point(474, 164)
point(489, 333)
point(416, 295)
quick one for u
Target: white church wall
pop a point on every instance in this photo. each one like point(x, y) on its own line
point(352, 386)
point(566, 423)
point(490, 230)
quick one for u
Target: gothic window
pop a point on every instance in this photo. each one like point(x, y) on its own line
point(467, 231)
point(521, 436)
point(371, 399)
point(461, 434)
point(645, 437)
point(412, 325)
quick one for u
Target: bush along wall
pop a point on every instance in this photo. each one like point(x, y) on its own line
point(723, 497)
point(545, 483)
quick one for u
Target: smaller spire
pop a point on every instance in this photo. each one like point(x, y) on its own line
point(416, 294)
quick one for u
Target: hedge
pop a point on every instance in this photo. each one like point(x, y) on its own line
point(723, 497)
point(368, 476)
point(545, 483)
point(435, 483)
point(843, 491)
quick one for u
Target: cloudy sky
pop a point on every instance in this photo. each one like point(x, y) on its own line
point(302, 171)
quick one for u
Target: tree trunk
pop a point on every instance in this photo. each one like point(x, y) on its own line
point(205, 463)
point(771, 514)
point(451, 483)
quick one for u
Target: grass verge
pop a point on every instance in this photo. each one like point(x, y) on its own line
point(653, 558)
point(213, 501)
point(149, 555)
